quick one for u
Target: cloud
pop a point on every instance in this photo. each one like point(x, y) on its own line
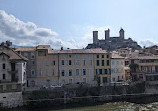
point(29, 34)
point(148, 42)
point(26, 34)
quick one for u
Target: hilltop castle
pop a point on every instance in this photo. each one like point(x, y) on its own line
point(112, 43)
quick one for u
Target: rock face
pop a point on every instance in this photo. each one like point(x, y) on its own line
point(112, 43)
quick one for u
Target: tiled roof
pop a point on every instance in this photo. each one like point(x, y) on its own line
point(116, 56)
point(28, 49)
point(11, 53)
point(144, 57)
point(43, 47)
point(83, 51)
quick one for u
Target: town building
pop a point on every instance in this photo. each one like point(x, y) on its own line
point(29, 53)
point(12, 76)
point(144, 68)
point(117, 69)
point(151, 49)
point(102, 67)
point(112, 43)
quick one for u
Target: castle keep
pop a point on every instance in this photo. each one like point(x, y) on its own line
point(112, 43)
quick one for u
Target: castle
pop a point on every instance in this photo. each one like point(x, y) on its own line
point(112, 43)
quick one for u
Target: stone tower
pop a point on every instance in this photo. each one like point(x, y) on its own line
point(95, 37)
point(121, 33)
point(107, 34)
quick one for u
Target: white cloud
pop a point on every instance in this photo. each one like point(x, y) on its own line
point(29, 34)
point(148, 42)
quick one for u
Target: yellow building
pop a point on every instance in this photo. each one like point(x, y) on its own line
point(102, 67)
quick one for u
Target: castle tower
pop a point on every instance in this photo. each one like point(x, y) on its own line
point(95, 37)
point(121, 33)
point(107, 34)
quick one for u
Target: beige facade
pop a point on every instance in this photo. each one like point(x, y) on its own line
point(47, 66)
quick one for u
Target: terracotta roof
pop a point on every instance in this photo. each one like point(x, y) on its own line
point(83, 51)
point(28, 49)
point(117, 56)
point(11, 53)
point(43, 47)
point(144, 57)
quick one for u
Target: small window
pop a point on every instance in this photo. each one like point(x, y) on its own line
point(97, 56)
point(70, 72)
point(107, 62)
point(69, 56)
point(107, 56)
point(102, 62)
point(33, 62)
point(84, 71)
point(97, 62)
point(3, 76)
point(77, 72)
point(70, 62)
point(102, 56)
point(70, 81)
point(53, 63)
point(62, 62)
point(84, 80)
point(62, 73)
point(3, 66)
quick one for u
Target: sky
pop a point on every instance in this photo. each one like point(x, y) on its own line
point(69, 23)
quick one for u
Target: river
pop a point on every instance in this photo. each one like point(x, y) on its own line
point(116, 106)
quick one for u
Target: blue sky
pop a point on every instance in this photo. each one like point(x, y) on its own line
point(72, 21)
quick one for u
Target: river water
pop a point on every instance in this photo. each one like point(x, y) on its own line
point(116, 106)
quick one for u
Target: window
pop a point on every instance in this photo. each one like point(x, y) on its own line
point(97, 62)
point(106, 71)
point(53, 63)
point(70, 62)
point(77, 80)
point(70, 81)
point(102, 62)
point(54, 56)
point(97, 56)
point(84, 62)
point(84, 71)
point(3, 76)
point(104, 79)
point(113, 79)
point(107, 63)
point(77, 72)
point(69, 56)
point(33, 62)
point(3, 66)
point(62, 73)
point(26, 55)
point(90, 62)
point(78, 62)
point(40, 72)
point(107, 56)
point(40, 63)
point(32, 72)
point(84, 80)
point(32, 55)
point(62, 62)
point(102, 56)
point(53, 72)
point(100, 71)
point(70, 72)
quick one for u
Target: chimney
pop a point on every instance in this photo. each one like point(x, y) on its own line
point(107, 34)
point(95, 37)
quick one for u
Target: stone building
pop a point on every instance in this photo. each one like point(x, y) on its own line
point(112, 43)
point(117, 69)
point(12, 76)
point(29, 53)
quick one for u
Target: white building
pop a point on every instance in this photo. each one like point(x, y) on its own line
point(117, 69)
point(12, 76)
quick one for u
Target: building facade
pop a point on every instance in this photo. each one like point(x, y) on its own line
point(12, 76)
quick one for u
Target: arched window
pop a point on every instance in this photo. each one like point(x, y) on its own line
point(3, 66)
